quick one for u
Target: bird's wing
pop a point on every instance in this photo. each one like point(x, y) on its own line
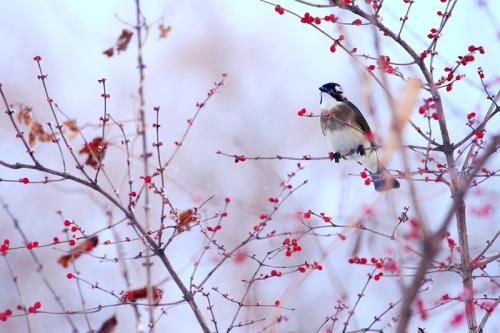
point(360, 119)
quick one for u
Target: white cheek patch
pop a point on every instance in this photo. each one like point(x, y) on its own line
point(328, 102)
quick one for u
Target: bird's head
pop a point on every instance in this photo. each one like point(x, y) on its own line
point(332, 89)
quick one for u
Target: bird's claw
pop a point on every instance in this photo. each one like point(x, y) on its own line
point(361, 150)
point(336, 157)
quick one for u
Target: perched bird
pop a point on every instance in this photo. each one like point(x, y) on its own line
point(350, 136)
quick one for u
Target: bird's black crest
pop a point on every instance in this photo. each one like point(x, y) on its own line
point(333, 89)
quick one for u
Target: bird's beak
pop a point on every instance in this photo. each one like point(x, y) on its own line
point(322, 89)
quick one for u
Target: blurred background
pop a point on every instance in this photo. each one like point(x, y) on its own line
point(275, 65)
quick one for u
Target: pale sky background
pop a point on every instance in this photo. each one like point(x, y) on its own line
point(275, 65)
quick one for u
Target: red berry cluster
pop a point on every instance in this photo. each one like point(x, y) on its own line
point(310, 19)
point(5, 246)
point(427, 109)
point(214, 229)
point(378, 263)
point(278, 9)
point(35, 307)
point(31, 245)
point(326, 218)
point(240, 158)
point(4, 315)
point(384, 64)
point(291, 246)
point(364, 175)
point(414, 233)
point(314, 265)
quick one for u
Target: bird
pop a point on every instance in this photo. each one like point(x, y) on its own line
point(350, 136)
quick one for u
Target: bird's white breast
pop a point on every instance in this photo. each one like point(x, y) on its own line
point(347, 140)
point(344, 140)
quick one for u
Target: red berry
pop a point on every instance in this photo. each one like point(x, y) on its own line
point(302, 112)
point(69, 276)
point(67, 222)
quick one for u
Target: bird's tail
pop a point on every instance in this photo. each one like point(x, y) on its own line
point(383, 182)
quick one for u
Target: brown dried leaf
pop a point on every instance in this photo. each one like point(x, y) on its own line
point(71, 126)
point(109, 325)
point(86, 246)
point(24, 114)
point(123, 40)
point(164, 31)
point(405, 105)
point(109, 52)
point(186, 217)
point(36, 130)
point(134, 295)
point(95, 151)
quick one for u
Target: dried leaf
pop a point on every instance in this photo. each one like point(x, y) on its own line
point(37, 131)
point(109, 325)
point(405, 105)
point(71, 126)
point(86, 246)
point(109, 52)
point(185, 219)
point(23, 114)
point(95, 151)
point(123, 40)
point(134, 295)
point(164, 31)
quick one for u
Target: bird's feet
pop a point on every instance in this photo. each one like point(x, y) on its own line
point(336, 157)
point(361, 150)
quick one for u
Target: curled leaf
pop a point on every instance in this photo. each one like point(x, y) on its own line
point(123, 40)
point(70, 124)
point(37, 131)
point(186, 217)
point(164, 30)
point(95, 151)
point(109, 52)
point(86, 246)
point(405, 104)
point(109, 325)
point(23, 113)
point(134, 295)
